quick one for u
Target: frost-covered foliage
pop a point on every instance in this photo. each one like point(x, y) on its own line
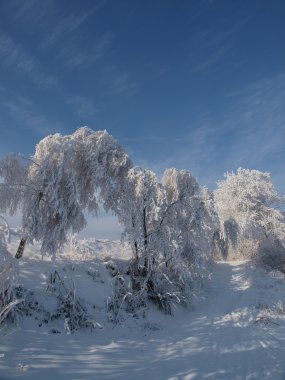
point(67, 175)
point(72, 173)
point(245, 203)
point(7, 279)
point(169, 227)
point(138, 212)
point(13, 185)
point(215, 233)
point(5, 230)
point(186, 219)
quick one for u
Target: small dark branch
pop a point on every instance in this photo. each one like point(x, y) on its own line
point(145, 239)
point(163, 218)
point(136, 251)
point(29, 159)
point(145, 229)
point(167, 210)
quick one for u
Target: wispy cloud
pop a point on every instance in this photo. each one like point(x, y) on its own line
point(14, 57)
point(253, 126)
point(249, 131)
point(211, 60)
point(28, 116)
point(258, 114)
point(31, 9)
point(204, 6)
point(210, 47)
point(83, 107)
point(144, 138)
point(124, 84)
point(74, 57)
point(69, 24)
point(23, 8)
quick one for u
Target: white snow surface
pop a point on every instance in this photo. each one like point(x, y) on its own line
point(236, 331)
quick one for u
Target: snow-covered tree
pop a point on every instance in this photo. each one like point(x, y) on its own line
point(245, 204)
point(188, 221)
point(66, 175)
point(169, 228)
point(137, 211)
point(215, 233)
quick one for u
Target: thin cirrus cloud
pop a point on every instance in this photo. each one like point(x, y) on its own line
point(252, 130)
point(213, 59)
point(73, 57)
point(124, 84)
point(209, 48)
point(14, 57)
point(252, 120)
point(259, 120)
point(28, 116)
point(68, 25)
point(24, 7)
point(31, 10)
point(83, 107)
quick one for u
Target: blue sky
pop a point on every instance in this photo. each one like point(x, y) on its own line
point(191, 84)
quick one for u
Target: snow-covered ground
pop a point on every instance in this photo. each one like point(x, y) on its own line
point(237, 331)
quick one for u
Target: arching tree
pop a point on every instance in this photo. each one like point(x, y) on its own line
point(168, 224)
point(67, 175)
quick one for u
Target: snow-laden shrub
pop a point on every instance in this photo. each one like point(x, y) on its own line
point(279, 308)
point(132, 294)
point(28, 303)
point(70, 308)
point(121, 300)
point(166, 293)
point(271, 254)
point(269, 315)
point(244, 248)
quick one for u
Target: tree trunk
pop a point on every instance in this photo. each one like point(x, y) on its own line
point(145, 268)
point(21, 248)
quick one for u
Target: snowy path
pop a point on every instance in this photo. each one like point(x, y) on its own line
point(234, 334)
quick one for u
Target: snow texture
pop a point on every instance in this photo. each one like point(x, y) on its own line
point(235, 331)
